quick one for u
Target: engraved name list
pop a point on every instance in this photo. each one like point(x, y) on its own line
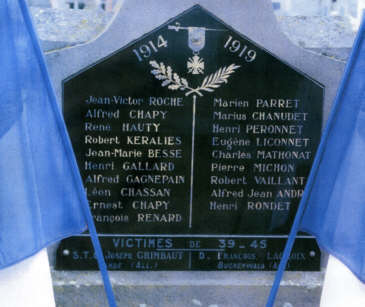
point(194, 144)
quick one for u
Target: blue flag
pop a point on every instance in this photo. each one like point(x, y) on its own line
point(333, 204)
point(335, 212)
point(40, 187)
point(42, 199)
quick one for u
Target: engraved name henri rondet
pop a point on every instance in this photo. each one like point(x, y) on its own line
point(194, 144)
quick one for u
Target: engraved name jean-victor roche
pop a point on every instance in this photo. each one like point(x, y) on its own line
point(194, 144)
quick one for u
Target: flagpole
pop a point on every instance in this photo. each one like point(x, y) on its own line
point(29, 279)
point(83, 200)
point(286, 254)
point(314, 169)
point(100, 256)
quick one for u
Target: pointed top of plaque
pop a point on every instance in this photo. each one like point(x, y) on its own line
point(255, 20)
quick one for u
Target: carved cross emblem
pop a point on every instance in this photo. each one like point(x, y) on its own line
point(195, 65)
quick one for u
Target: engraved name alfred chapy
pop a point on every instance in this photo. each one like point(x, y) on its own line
point(194, 144)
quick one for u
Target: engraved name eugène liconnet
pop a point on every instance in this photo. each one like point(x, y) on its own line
point(193, 143)
point(253, 141)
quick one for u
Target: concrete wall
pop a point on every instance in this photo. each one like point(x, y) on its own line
point(351, 9)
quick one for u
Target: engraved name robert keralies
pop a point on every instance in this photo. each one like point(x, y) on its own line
point(194, 133)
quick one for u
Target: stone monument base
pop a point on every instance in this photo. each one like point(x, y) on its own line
point(210, 289)
point(183, 289)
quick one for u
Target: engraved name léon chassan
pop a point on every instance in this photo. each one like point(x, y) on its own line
point(194, 144)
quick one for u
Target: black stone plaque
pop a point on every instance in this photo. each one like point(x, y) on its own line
point(194, 144)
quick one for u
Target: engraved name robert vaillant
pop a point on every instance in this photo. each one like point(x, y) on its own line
point(195, 136)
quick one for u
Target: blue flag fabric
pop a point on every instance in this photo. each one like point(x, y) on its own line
point(40, 187)
point(335, 212)
point(42, 199)
point(332, 207)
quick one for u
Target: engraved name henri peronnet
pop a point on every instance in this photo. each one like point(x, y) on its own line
point(194, 144)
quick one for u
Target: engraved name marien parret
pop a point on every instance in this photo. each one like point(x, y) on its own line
point(194, 144)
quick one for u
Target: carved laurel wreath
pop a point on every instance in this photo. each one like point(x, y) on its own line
point(174, 82)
